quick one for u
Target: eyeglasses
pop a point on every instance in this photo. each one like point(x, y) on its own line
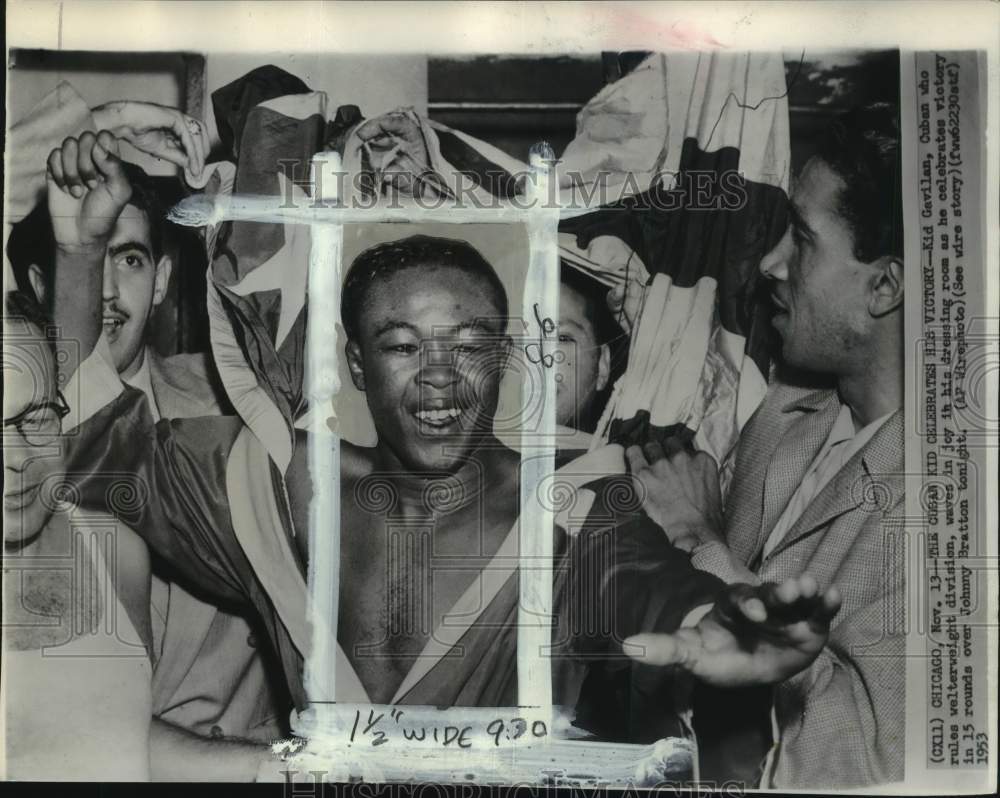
point(40, 424)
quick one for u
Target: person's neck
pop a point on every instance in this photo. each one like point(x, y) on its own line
point(133, 368)
point(416, 496)
point(875, 388)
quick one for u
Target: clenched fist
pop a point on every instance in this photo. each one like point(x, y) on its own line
point(87, 191)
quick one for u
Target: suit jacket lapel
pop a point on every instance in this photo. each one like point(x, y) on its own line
point(795, 451)
point(871, 480)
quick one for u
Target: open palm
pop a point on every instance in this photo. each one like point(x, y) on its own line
point(751, 636)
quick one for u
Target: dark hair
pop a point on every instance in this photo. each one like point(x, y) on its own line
point(382, 261)
point(146, 198)
point(24, 306)
point(32, 241)
point(606, 329)
point(862, 147)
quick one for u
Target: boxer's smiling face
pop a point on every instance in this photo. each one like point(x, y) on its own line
point(430, 354)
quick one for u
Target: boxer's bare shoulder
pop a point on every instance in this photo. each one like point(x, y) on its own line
point(356, 461)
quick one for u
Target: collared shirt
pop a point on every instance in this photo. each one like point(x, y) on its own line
point(142, 380)
point(841, 445)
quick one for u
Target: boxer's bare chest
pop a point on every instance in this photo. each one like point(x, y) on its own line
point(400, 575)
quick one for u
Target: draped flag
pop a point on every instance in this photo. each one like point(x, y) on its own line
point(257, 285)
point(683, 165)
point(699, 145)
point(685, 162)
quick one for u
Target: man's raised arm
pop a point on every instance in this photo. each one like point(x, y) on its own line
point(87, 192)
point(157, 130)
point(166, 480)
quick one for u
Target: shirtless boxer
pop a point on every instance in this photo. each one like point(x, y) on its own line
point(427, 345)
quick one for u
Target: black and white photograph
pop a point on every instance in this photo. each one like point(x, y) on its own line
point(550, 416)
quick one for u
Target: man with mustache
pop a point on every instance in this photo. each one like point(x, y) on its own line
point(210, 680)
point(818, 482)
point(426, 324)
point(77, 642)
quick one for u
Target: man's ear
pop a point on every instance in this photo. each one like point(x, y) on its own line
point(886, 286)
point(37, 281)
point(355, 364)
point(163, 269)
point(603, 368)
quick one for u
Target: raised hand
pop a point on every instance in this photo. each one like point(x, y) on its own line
point(87, 191)
point(158, 130)
point(751, 636)
point(680, 491)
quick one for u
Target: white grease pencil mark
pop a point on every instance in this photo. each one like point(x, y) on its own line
point(493, 754)
point(540, 298)
point(200, 210)
point(322, 384)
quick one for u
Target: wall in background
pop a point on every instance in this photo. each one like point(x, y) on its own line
point(99, 78)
